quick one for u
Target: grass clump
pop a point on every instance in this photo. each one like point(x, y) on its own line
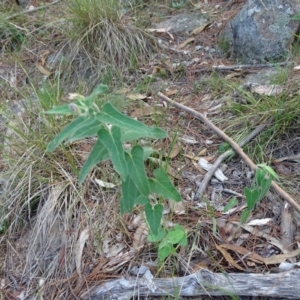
point(107, 36)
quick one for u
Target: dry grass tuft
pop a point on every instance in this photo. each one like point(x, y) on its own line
point(105, 38)
point(43, 211)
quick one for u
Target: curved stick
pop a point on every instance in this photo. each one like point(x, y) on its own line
point(223, 156)
point(234, 146)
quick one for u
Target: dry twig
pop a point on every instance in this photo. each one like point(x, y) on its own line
point(250, 66)
point(27, 11)
point(234, 145)
point(222, 157)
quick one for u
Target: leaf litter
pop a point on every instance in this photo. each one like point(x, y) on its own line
point(58, 227)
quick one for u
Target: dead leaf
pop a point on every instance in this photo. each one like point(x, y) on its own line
point(192, 157)
point(42, 69)
point(200, 170)
point(171, 92)
point(143, 111)
point(229, 258)
point(136, 96)
point(161, 30)
point(277, 259)
point(122, 91)
point(256, 232)
point(188, 140)
point(115, 250)
point(243, 251)
point(105, 184)
point(183, 44)
point(259, 222)
point(44, 57)
point(173, 172)
point(140, 236)
point(175, 150)
point(79, 248)
point(233, 75)
point(269, 90)
point(177, 208)
point(199, 29)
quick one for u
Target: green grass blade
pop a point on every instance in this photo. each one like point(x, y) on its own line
point(252, 196)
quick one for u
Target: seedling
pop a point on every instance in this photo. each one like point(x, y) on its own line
point(113, 129)
point(264, 176)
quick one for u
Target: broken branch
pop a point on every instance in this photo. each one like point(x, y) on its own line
point(233, 144)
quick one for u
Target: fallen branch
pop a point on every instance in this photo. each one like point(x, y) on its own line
point(203, 282)
point(240, 67)
point(222, 157)
point(234, 145)
point(31, 10)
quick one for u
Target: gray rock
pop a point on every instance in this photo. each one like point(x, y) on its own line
point(183, 23)
point(262, 30)
point(23, 3)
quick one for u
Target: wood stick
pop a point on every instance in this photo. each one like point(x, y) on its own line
point(223, 156)
point(233, 144)
point(31, 10)
point(199, 284)
point(239, 67)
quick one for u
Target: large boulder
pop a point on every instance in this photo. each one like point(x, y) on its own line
point(262, 31)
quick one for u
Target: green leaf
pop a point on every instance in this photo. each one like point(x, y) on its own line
point(163, 186)
point(88, 129)
point(252, 197)
point(157, 133)
point(265, 186)
point(154, 215)
point(164, 252)
point(174, 236)
point(232, 203)
point(156, 238)
point(67, 132)
point(245, 215)
point(100, 89)
point(260, 175)
point(60, 110)
point(98, 154)
point(110, 115)
point(223, 148)
point(142, 199)
point(111, 139)
point(130, 194)
point(183, 242)
point(136, 169)
point(273, 174)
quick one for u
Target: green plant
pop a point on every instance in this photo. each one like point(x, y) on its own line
point(178, 5)
point(264, 175)
point(113, 129)
point(296, 17)
point(167, 241)
point(11, 37)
